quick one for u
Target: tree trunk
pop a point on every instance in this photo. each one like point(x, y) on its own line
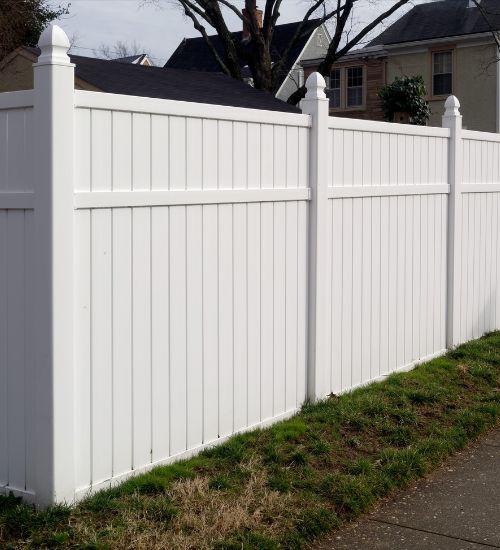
point(297, 96)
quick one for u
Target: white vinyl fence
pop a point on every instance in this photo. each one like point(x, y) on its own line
point(190, 231)
point(387, 230)
point(173, 273)
point(17, 385)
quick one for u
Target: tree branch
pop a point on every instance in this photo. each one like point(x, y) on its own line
point(193, 7)
point(299, 33)
point(232, 7)
point(255, 52)
point(201, 29)
point(229, 43)
point(334, 54)
point(493, 31)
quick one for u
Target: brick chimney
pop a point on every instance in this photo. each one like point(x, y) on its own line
point(251, 4)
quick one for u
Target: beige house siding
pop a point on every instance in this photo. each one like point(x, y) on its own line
point(16, 74)
point(474, 81)
point(476, 87)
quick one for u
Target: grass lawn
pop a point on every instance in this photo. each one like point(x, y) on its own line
point(284, 486)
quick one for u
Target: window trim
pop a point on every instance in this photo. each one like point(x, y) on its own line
point(339, 88)
point(432, 52)
point(363, 87)
point(343, 89)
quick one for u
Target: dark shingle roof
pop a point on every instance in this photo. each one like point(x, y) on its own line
point(439, 20)
point(193, 86)
point(194, 54)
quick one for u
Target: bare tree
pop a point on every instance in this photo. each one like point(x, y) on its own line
point(254, 51)
point(119, 49)
point(74, 40)
point(22, 21)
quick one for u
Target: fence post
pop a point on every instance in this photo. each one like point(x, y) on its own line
point(53, 173)
point(452, 119)
point(316, 104)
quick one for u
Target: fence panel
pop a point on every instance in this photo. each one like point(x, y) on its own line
point(387, 248)
point(190, 317)
point(16, 294)
point(480, 254)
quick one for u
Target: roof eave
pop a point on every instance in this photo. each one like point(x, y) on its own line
point(472, 37)
point(357, 54)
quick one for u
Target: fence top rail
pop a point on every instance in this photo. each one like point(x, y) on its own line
point(339, 123)
point(17, 100)
point(480, 136)
point(130, 199)
point(118, 102)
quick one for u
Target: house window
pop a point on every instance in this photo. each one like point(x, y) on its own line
point(354, 86)
point(335, 88)
point(346, 87)
point(442, 73)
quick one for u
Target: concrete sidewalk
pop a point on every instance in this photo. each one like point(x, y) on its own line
point(456, 508)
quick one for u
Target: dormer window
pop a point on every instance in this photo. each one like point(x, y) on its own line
point(442, 73)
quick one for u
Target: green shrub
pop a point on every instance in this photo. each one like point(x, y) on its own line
point(406, 94)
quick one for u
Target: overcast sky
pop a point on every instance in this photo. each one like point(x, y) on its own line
point(159, 30)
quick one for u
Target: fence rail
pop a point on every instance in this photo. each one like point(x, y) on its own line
point(173, 273)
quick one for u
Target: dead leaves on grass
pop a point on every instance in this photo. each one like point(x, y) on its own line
point(203, 517)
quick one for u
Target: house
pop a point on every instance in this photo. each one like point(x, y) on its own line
point(117, 77)
point(139, 59)
point(194, 54)
point(448, 42)
point(354, 83)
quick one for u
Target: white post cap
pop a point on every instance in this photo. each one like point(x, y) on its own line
point(452, 107)
point(315, 85)
point(54, 45)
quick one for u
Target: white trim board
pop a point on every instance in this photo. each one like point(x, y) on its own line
point(17, 201)
point(153, 106)
point(129, 199)
point(480, 188)
point(17, 100)
point(359, 191)
point(374, 126)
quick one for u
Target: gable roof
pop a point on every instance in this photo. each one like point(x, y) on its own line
point(192, 86)
point(194, 54)
point(137, 59)
point(439, 20)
